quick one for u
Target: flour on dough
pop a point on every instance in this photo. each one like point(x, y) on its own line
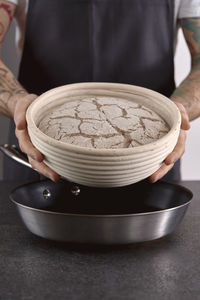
point(103, 123)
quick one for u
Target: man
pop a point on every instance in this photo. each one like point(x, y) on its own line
point(114, 41)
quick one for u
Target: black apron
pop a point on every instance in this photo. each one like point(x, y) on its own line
point(69, 41)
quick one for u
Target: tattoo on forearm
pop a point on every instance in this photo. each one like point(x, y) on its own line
point(6, 14)
point(188, 93)
point(9, 87)
point(191, 29)
point(8, 84)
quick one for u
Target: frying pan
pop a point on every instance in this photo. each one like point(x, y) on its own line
point(66, 212)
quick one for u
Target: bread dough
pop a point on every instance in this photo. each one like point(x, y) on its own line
point(103, 122)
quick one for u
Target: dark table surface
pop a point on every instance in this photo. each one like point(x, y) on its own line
point(33, 268)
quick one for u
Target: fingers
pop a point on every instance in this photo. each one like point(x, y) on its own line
point(20, 110)
point(26, 146)
point(164, 169)
point(21, 127)
point(185, 123)
point(178, 150)
point(171, 158)
point(44, 170)
point(34, 155)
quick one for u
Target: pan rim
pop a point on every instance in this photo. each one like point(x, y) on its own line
point(100, 215)
point(183, 188)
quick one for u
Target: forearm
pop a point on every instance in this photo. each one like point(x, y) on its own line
point(188, 93)
point(10, 91)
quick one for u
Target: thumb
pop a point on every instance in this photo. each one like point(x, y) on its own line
point(20, 110)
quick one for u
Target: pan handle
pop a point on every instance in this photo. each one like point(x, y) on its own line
point(14, 153)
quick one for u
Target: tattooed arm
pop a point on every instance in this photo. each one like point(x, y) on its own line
point(186, 96)
point(188, 93)
point(10, 89)
point(14, 99)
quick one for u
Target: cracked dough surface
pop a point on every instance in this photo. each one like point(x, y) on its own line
point(103, 122)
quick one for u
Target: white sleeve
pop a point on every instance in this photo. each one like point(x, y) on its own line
point(189, 9)
point(14, 1)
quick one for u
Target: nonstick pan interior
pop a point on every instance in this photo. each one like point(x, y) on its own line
point(64, 197)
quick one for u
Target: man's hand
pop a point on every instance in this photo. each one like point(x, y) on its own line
point(34, 156)
point(178, 150)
